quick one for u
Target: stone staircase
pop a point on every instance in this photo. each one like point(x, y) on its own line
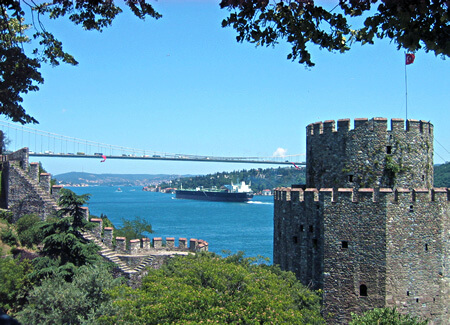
point(46, 197)
point(105, 251)
point(111, 256)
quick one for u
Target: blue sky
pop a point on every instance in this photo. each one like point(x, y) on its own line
point(182, 84)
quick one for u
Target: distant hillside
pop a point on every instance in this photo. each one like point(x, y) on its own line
point(260, 178)
point(442, 175)
point(78, 178)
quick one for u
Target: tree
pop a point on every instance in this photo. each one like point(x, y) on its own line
point(28, 230)
point(411, 24)
point(64, 247)
point(206, 288)
point(385, 316)
point(19, 72)
point(14, 283)
point(134, 228)
point(81, 301)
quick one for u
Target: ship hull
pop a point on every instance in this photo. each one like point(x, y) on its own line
point(213, 196)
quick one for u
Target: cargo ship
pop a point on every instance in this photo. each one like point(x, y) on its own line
point(231, 193)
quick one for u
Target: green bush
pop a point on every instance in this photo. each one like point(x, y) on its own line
point(8, 237)
point(28, 230)
point(385, 316)
point(206, 288)
point(7, 215)
point(81, 301)
point(14, 283)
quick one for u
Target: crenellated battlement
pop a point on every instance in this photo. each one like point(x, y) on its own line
point(376, 124)
point(369, 155)
point(144, 246)
point(286, 194)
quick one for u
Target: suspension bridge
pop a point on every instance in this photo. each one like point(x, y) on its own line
point(52, 145)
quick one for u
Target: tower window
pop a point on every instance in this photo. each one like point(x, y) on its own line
point(363, 290)
point(344, 244)
point(423, 177)
point(295, 239)
point(315, 243)
point(350, 178)
point(407, 293)
point(411, 208)
point(426, 247)
point(301, 228)
point(311, 229)
point(389, 150)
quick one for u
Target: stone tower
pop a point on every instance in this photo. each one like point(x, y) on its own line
point(369, 155)
point(368, 228)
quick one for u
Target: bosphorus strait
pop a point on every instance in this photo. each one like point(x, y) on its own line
point(227, 226)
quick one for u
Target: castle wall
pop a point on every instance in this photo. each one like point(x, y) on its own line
point(298, 234)
point(418, 246)
point(24, 191)
point(20, 199)
point(369, 155)
point(374, 248)
point(354, 254)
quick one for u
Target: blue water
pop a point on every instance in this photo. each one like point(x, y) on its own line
point(234, 227)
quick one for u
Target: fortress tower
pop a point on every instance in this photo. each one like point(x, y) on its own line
point(370, 155)
point(368, 228)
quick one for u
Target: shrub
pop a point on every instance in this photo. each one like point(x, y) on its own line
point(8, 237)
point(7, 215)
point(385, 316)
point(28, 230)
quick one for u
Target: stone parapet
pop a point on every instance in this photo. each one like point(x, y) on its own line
point(56, 189)
point(108, 233)
point(288, 194)
point(97, 230)
point(44, 181)
point(143, 246)
point(34, 171)
point(86, 212)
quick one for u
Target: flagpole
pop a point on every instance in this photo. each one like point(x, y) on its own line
point(406, 91)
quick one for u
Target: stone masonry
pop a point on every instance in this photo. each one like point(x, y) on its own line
point(24, 190)
point(368, 228)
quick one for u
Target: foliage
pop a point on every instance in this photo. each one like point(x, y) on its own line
point(19, 73)
point(8, 236)
point(84, 299)
point(28, 230)
point(412, 25)
point(8, 216)
point(42, 170)
point(14, 283)
point(392, 168)
point(134, 228)
point(259, 178)
point(65, 248)
point(442, 175)
point(106, 222)
point(205, 288)
point(385, 316)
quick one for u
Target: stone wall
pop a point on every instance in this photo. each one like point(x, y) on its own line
point(369, 155)
point(24, 191)
point(367, 248)
point(144, 246)
point(418, 246)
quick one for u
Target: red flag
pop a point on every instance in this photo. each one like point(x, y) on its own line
point(409, 58)
point(104, 158)
point(295, 165)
